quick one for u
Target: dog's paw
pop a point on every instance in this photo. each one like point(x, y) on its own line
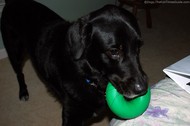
point(24, 95)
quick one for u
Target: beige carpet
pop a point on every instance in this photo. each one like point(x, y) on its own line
point(167, 42)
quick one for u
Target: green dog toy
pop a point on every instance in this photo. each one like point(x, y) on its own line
point(123, 108)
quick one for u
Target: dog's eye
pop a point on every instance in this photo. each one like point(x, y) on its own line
point(137, 50)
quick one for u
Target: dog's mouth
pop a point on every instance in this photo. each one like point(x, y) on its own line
point(130, 90)
point(131, 96)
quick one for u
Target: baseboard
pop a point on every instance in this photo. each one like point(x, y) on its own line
point(3, 54)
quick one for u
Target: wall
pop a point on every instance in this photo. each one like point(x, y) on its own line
point(1, 8)
point(71, 9)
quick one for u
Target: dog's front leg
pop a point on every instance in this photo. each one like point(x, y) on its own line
point(71, 118)
point(74, 113)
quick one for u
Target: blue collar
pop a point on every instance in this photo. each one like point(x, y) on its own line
point(90, 82)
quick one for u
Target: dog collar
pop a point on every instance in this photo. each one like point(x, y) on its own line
point(90, 82)
point(95, 85)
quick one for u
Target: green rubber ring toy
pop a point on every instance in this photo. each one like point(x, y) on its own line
point(123, 108)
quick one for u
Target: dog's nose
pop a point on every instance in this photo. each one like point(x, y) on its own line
point(140, 89)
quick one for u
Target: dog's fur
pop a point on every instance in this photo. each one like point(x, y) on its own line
point(100, 47)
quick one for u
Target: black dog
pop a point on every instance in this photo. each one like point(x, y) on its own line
point(100, 47)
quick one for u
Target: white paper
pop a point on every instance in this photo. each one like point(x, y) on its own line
point(180, 73)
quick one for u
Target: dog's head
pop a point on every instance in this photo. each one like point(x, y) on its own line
point(109, 40)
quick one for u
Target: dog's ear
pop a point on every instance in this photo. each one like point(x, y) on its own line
point(79, 37)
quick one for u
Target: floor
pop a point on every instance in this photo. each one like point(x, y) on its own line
point(167, 42)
